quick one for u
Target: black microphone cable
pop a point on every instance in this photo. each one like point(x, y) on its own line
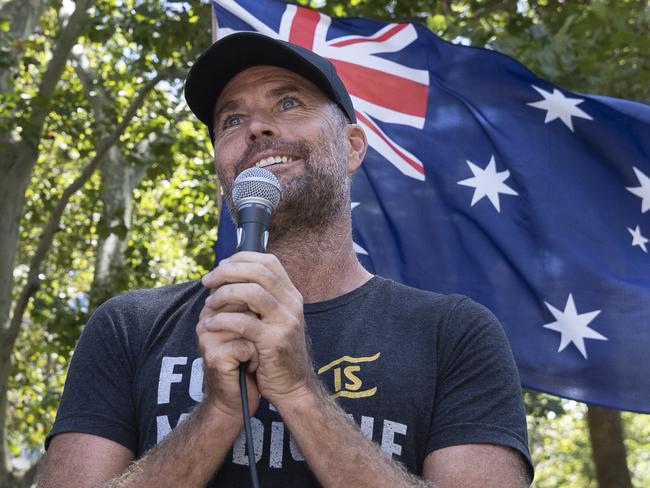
point(255, 194)
point(248, 431)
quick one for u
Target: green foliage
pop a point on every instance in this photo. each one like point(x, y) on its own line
point(560, 446)
point(559, 442)
point(598, 47)
point(174, 224)
point(177, 217)
point(35, 388)
point(637, 444)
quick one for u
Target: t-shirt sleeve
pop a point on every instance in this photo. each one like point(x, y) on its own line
point(98, 394)
point(478, 396)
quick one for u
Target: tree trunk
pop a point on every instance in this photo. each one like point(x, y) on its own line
point(25, 16)
point(13, 184)
point(17, 160)
point(608, 449)
point(119, 179)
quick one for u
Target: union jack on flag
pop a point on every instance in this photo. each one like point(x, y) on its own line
point(485, 180)
point(398, 93)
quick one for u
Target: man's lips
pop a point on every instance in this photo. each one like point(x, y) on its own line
point(269, 153)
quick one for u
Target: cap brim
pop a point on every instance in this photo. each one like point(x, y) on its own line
point(234, 53)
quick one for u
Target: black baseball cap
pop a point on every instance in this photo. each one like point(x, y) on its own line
point(234, 53)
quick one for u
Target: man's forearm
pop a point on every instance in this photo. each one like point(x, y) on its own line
point(336, 450)
point(189, 456)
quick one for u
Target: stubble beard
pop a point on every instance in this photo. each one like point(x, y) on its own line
point(312, 200)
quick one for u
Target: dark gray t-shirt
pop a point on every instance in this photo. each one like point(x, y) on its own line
point(417, 371)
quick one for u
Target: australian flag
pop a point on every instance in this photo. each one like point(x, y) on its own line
point(485, 180)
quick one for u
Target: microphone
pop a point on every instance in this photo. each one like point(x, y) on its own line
point(255, 193)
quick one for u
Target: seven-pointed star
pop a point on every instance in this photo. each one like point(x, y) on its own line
point(488, 182)
point(573, 326)
point(357, 248)
point(643, 191)
point(637, 238)
point(558, 106)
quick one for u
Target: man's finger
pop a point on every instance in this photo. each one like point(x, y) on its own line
point(257, 299)
point(240, 349)
point(226, 350)
point(214, 338)
point(246, 325)
point(268, 260)
point(230, 271)
point(229, 307)
point(254, 361)
point(234, 272)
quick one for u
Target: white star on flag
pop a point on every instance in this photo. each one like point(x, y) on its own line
point(357, 248)
point(643, 191)
point(573, 326)
point(558, 106)
point(637, 238)
point(488, 182)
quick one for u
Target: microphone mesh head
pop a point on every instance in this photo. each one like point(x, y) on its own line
point(257, 183)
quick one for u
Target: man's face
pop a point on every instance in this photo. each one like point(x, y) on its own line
point(274, 118)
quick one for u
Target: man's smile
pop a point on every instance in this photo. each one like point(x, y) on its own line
point(271, 160)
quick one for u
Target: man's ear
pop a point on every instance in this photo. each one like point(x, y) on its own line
point(358, 146)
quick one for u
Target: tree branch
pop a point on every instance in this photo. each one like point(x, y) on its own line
point(86, 77)
point(53, 72)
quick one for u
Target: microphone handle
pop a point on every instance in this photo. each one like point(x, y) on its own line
point(253, 227)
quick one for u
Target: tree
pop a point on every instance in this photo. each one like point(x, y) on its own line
point(19, 150)
point(122, 51)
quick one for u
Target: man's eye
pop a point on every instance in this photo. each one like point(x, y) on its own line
point(231, 121)
point(288, 103)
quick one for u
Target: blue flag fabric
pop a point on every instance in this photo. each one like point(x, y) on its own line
point(484, 179)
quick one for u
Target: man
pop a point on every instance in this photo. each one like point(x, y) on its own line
point(429, 378)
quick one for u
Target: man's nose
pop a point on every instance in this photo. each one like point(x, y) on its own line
point(262, 126)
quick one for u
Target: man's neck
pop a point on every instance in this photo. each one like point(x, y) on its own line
point(321, 263)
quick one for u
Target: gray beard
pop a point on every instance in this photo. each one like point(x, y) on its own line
point(312, 201)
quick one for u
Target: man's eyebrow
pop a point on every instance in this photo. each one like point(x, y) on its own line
point(272, 93)
point(229, 105)
point(282, 89)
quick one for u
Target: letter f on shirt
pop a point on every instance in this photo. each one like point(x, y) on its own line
point(167, 376)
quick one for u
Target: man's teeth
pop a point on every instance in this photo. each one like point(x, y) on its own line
point(272, 160)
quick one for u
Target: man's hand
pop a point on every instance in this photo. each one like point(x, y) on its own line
point(222, 353)
point(255, 314)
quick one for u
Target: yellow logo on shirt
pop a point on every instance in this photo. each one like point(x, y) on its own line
point(347, 383)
